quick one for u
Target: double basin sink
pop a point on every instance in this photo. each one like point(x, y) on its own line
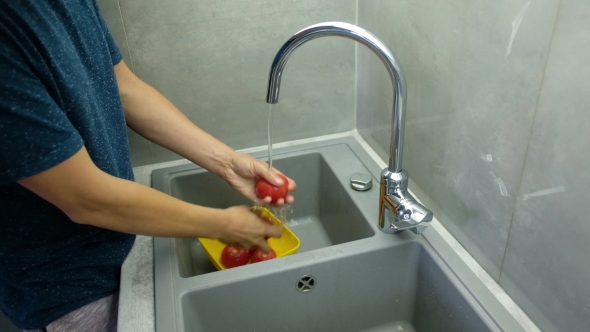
point(346, 276)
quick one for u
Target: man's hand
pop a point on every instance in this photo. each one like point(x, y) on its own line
point(90, 196)
point(244, 170)
point(244, 228)
point(154, 117)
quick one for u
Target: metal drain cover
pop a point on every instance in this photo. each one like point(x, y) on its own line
point(305, 284)
point(361, 182)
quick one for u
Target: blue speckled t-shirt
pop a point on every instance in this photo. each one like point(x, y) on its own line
point(58, 92)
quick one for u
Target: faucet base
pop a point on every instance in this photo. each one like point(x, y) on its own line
point(407, 212)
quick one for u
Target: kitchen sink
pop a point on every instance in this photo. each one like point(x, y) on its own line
point(346, 276)
point(398, 287)
point(324, 214)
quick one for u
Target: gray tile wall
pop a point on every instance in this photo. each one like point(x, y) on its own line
point(546, 263)
point(211, 59)
point(141, 150)
point(496, 135)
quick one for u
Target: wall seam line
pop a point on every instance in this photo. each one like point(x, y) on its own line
point(150, 144)
point(125, 34)
point(530, 136)
point(356, 70)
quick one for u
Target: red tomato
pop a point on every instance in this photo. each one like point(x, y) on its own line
point(234, 256)
point(264, 188)
point(259, 255)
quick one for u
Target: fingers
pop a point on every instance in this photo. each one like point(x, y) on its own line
point(272, 175)
point(249, 167)
point(271, 231)
point(248, 230)
point(262, 202)
point(280, 202)
point(261, 170)
point(263, 245)
point(274, 231)
point(292, 184)
point(289, 199)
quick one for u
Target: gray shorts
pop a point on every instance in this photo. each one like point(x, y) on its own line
point(98, 316)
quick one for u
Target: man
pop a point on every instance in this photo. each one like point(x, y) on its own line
point(68, 205)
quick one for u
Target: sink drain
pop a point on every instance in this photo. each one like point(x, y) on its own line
point(305, 284)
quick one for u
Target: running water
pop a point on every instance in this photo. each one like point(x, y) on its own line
point(283, 211)
point(269, 135)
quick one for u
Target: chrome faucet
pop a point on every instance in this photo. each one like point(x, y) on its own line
point(394, 197)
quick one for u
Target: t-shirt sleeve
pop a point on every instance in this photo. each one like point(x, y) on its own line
point(116, 55)
point(35, 133)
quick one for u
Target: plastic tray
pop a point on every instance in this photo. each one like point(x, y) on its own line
point(286, 245)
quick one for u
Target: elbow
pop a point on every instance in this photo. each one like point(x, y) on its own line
point(78, 218)
point(83, 212)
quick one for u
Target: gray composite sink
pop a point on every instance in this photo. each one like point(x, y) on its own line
point(317, 218)
point(346, 276)
point(399, 288)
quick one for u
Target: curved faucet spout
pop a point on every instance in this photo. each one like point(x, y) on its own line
point(369, 40)
point(406, 212)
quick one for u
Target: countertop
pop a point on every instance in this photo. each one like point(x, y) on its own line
point(136, 299)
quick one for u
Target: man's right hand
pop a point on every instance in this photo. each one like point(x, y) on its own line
point(245, 229)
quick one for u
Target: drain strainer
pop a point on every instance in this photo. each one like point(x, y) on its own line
point(305, 284)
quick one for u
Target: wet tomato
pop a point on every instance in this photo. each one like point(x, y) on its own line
point(234, 256)
point(265, 188)
point(259, 255)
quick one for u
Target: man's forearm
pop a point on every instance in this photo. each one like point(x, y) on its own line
point(137, 209)
point(153, 116)
point(92, 197)
point(89, 196)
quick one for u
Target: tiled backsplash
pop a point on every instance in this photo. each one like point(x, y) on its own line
point(496, 135)
point(212, 58)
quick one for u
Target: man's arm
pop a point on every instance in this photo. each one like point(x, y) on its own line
point(90, 196)
point(154, 117)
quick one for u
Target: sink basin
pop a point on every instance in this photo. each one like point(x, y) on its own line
point(346, 276)
point(398, 287)
point(324, 214)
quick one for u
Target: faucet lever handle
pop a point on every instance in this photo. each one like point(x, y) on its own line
point(393, 196)
point(412, 220)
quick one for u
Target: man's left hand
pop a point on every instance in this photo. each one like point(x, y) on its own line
point(243, 172)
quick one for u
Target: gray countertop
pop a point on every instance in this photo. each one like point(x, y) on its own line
point(136, 299)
